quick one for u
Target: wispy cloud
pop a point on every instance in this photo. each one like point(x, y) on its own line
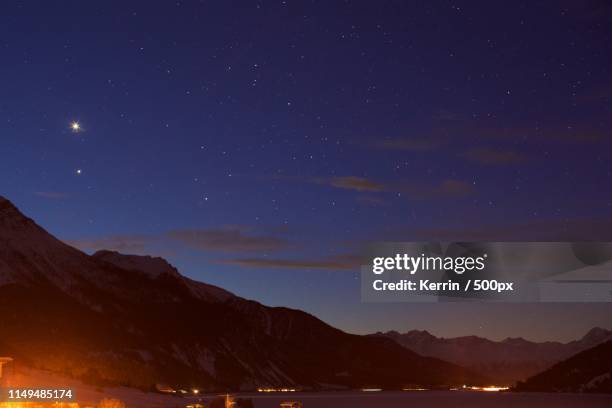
point(444, 189)
point(354, 183)
point(227, 239)
point(129, 244)
point(231, 239)
point(51, 195)
point(579, 134)
point(494, 156)
point(344, 262)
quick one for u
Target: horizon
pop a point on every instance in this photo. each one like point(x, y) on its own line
point(399, 330)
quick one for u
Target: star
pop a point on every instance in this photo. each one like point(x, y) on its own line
point(79, 172)
point(75, 127)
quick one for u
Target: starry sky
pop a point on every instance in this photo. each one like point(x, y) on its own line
point(258, 145)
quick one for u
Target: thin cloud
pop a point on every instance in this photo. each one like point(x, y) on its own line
point(584, 135)
point(374, 190)
point(445, 189)
point(494, 156)
point(229, 239)
point(128, 244)
point(226, 240)
point(453, 188)
point(355, 183)
point(344, 262)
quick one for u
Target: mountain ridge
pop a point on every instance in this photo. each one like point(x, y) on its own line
point(517, 357)
point(588, 371)
point(110, 318)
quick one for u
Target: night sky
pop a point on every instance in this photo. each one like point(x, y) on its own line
point(258, 145)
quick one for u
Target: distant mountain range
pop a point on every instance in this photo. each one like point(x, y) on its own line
point(506, 361)
point(132, 320)
point(588, 371)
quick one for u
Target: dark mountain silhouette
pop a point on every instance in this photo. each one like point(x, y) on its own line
point(112, 318)
point(506, 361)
point(587, 371)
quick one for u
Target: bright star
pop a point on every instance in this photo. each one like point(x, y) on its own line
point(75, 126)
point(79, 171)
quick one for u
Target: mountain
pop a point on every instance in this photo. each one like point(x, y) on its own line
point(122, 319)
point(504, 361)
point(587, 371)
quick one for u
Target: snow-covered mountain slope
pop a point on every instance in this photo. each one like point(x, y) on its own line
point(28, 253)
